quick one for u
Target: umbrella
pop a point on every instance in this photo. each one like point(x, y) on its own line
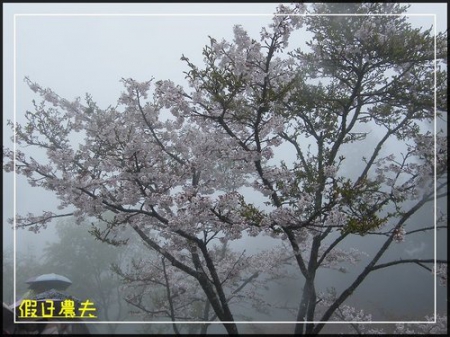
point(48, 281)
point(55, 295)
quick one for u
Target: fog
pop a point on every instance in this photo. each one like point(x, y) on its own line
point(89, 53)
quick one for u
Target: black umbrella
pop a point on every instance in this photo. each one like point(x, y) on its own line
point(49, 281)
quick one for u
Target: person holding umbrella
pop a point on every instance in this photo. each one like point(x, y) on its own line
point(41, 289)
point(45, 282)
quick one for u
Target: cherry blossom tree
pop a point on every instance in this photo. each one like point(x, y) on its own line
point(159, 291)
point(173, 163)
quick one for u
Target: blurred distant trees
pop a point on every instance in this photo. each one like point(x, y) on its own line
point(28, 264)
point(87, 263)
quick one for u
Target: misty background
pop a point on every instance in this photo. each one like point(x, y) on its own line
point(78, 48)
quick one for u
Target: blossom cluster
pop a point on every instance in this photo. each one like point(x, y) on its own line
point(399, 234)
point(442, 274)
point(440, 327)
